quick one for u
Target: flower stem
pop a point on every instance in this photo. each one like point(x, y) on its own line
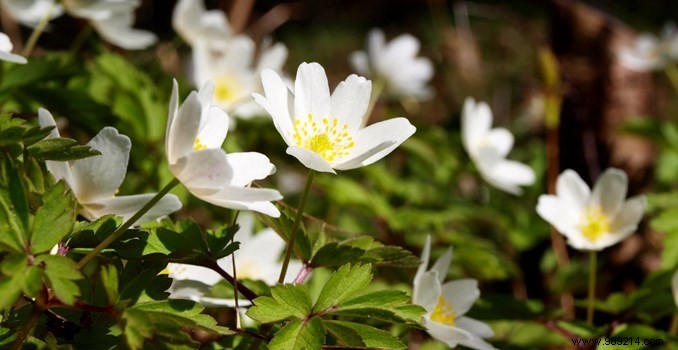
point(127, 224)
point(37, 31)
point(295, 225)
point(672, 72)
point(592, 287)
point(235, 275)
point(673, 330)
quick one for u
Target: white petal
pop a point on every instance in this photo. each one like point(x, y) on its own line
point(98, 10)
point(100, 176)
point(127, 206)
point(249, 166)
point(310, 159)
point(477, 343)
point(630, 214)
point(461, 294)
point(551, 209)
point(6, 51)
point(404, 46)
point(502, 140)
point(277, 103)
point(443, 264)
point(273, 57)
point(214, 127)
point(311, 92)
point(376, 141)
point(476, 121)
point(609, 192)
point(375, 43)
point(192, 21)
point(425, 255)
point(360, 63)
point(173, 107)
point(573, 191)
point(31, 12)
point(206, 168)
point(350, 101)
point(184, 128)
point(506, 175)
point(451, 336)
point(473, 326)
point(118, 31)
point(60, 170)
point(427, 290)
point(185, 272)
point(255, 199)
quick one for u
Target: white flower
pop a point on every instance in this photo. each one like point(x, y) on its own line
point(396, 63)
point(6, 51)
point(231, 65)
point(195, 133)
point(194, 23)
point(592, 220)
point(446, 304)
point(257, 259)
point(95, 180)
point(324, 132)
point(489, 147)
point(651, 53)
point(112, 19)
point(227, 59)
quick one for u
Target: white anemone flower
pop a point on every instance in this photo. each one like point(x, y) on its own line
point(6, 51)
point(194, 23)
point(396, 64)
point(256, 259)
point(651, 53)
point(95, 180)
point(446, 304)
point(112, 19)
point(195, 133)
point(324, 132)
point(488, 148)
point(592, 220)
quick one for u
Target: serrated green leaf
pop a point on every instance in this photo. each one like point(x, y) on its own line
point(394, 256)
point(146, 286)
point(18, 200)
point(299, 335)
point(10, 289)
point(355, 334)
point(406, 314)
point(382, 299)
point(54, 220)
point(342, 285)
point(334, 254)
point(61, 272)
point(109, 279)
point(61, 149)
point(10, 228)
point(32, 281)
point(287, 301)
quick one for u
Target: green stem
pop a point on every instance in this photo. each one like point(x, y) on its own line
point(37, 31)
point(295, 225)
point(672, 73)
point(674, 325)
point(127, 224)
point(592, 287)
point(79, 40)
point(235, 275)
point(27, 328)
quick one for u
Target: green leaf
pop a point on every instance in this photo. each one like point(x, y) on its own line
point(54, 220)
point(10, 289)
point(283, 226)
point(38, 69)
point(355, 334)
point(287, 301)
point(10, 228)
point(406, 314)
point(61, 272)
point(299, 335)
point(17, 196)
point(109, 279)
point(342, 285)
point(166, 320)
point(145, 285)
point(334, 254)
point(61, 149)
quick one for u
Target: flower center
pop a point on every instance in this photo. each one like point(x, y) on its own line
point(198, 145)
point(326, 139)
point(444, 312)
point(225, 90)
point(595, 224)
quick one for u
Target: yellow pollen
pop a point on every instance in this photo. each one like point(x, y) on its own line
point(325, 138)
point(595, 224)
point(198, 145)
point(444, 312)
point(115, 193)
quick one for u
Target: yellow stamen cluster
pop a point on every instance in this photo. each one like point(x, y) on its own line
point(444, 312)
point(115, 193)
point(595, 224)
point(224, 89)
point(198, 145)
point(327, 138)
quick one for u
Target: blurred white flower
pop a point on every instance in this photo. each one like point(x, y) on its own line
point(6, 51)
point(95, 180)
point(324, 132)
point(446, 304)
point(396, 64)
point(229, 60)
point(195, 133)
point(651, 53)
point(112, 19)
point(489, 147)
point(257, 259)
point(592, 220)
